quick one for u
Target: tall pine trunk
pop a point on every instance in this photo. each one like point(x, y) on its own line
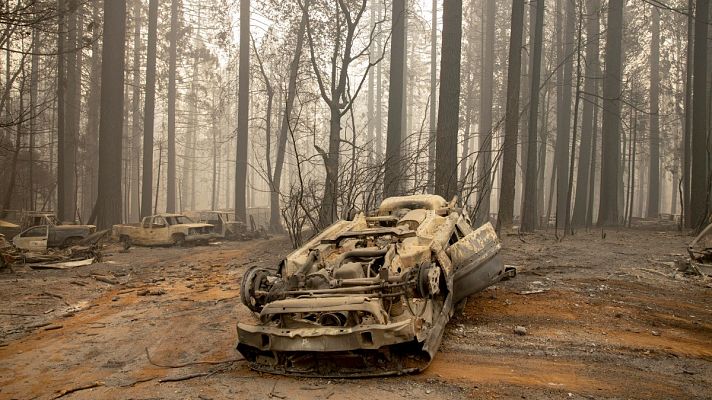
point(34, 89)
point(73, 102)
point(379, 91)
point(511, 124)
point(90, 187)
point(484, 166)
point(370, 122)
point(110, 123)
point(149, 109)
point(135, 199)
point(563, 113)
point(585, 171)
point(64, 175)
point(698, 167)
point(243, 111)
point(608, 213)
point(449, 103)
point(654, 167)
point(530, 211)
point(433, 94)
point(172, 55)
point(687, 135)
point(189, 139)
point(394, 139)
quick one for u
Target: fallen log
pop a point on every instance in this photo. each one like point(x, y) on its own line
point(182, 378)
point(65, 392)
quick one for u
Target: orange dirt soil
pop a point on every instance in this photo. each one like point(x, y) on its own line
point(604, 318)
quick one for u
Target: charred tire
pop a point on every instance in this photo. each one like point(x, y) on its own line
point(125, 242)
point(179, 240)
point(431, 280)
point(254, 279)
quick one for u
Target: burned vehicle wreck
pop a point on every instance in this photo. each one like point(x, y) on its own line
point(370, 296)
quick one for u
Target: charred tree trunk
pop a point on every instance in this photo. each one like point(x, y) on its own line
point(687, 135)
point(73, 104)
point(631, 174)
point(90, 186)
point(530, 211)
point(484, 165)
point(214, 187)
point(379, 92)
point(393, 168)
point(433, 95)
point(149, 109)
point(64, 175)
point(585, 171)
point(543, 150)
point(189, 140)
point(10, 190)
point(243, 111)
point(594, 163)
point(528, 40)
point(674, 187)
point(370, 122)
point(698, 166)
point(610, 148)
point(449, 103)
point(511, 125)
point(135, 199)
point(172, 55)
point(34, 89)
point(110, 123)
point(577, 103)
point(563, 113)
point(654, 167)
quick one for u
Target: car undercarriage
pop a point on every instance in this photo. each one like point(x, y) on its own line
point(370, 296)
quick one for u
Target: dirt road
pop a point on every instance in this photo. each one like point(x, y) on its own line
point(604, 318)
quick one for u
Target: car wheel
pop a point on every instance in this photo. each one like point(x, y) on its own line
point(126, 242)
point(71, 241)
point(253, 281)
point(179, 240)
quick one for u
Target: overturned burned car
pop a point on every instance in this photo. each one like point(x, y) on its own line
point(371, 296)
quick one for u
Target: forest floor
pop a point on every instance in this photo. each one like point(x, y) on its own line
point(605, 317)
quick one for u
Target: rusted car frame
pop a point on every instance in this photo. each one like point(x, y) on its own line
point(370, 296)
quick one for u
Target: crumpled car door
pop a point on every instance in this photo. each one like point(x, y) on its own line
point(33, 239)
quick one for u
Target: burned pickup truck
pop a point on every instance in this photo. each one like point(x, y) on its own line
point(370, 296)
point(43, 237)
point(225, 227)
point(163, 230)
